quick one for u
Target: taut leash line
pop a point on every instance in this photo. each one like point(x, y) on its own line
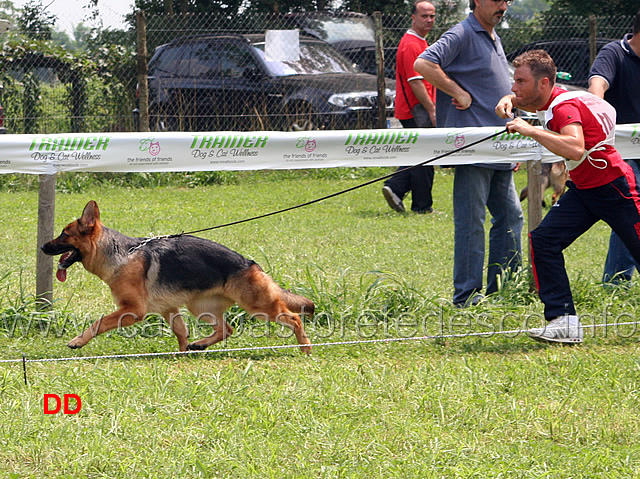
point(338, 193)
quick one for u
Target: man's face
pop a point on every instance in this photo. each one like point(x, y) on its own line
point(422, 21)
point(526, 88)
point(490, 12)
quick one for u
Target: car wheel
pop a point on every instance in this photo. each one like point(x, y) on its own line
point(162, 120)
point(300, 117)
point(165, 123)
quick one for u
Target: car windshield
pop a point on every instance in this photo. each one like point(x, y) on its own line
point(315, 58)
point(339, 29)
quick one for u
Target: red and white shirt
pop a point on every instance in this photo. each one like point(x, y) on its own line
point(411, 45)
point(601, 162)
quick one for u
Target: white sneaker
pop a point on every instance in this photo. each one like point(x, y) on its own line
point(394, 201)
point(563, 329)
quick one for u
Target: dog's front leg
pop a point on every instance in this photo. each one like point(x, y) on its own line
point(121, 318)
point(175, 320)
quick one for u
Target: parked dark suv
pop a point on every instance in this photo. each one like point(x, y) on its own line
point(570, 55)
point(225, 82)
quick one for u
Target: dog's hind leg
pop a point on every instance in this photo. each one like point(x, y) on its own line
point(293, 321)
point(524, 193)
point(298, 304)
point(176, 322)
point(558, 178)
point(278, 313)
point(259, 295)
point(211, 310)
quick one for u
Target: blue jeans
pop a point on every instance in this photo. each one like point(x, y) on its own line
point(474, 189)
point(620, 264)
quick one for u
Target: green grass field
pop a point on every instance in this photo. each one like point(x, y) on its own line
point(486, 407)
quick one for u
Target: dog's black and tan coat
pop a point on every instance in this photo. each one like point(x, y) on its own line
point(162, 275)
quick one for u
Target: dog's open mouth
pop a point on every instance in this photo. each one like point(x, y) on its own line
point(66, 260)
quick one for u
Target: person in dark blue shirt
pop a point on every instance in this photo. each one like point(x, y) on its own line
point(615, 76)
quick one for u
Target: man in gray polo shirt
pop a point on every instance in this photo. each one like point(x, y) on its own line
point(468, 67)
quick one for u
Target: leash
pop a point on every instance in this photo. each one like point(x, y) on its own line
point(338, 193)
point(318, 200)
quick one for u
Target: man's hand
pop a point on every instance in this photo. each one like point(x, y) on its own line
point(462, 101)
point(518, 125)
point(435, 75)
point(568, 144)
point(504, 108)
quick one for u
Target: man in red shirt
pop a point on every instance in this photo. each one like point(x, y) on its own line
point(415, 108)
point(580, 127)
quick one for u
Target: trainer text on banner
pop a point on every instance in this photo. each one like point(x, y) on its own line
point(211, 151)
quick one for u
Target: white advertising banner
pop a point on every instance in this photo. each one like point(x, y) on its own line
point(211, 151)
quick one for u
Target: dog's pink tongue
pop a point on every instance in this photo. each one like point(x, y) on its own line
point(61, 274)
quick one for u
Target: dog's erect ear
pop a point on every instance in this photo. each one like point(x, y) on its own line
point(90, 215)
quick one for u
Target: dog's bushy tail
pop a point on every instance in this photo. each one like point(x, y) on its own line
point(298, 304)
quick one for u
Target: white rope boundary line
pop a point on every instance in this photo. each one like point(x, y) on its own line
point(289, 346)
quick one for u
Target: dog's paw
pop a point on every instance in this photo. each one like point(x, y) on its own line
point(196, 347)
point(76, 343)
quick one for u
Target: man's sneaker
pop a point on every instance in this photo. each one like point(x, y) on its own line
point(394, 201)
point(563, 329)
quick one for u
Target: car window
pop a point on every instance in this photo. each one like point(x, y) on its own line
point(315, 58)
point(200, 61)
point(169, 60)
point(182, 61)
point(337, 29)
point(204, 60)
point(234, 59)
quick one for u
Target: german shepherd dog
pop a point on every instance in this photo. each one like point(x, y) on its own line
point(161, 275)
point(553, 175)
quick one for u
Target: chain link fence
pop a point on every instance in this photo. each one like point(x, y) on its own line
point(214, 73)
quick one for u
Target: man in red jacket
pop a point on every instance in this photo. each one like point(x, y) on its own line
point(580, 127)
point(415, 108)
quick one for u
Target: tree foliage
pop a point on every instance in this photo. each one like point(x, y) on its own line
point(528, 8)
point(229, 7)
point(595, 7)
point(34, 21)
point(236, 7)
point(8, 10)
point(384, 6)
point(159, 7)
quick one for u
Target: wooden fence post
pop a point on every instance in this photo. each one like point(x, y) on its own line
point(382, 97)
point(534, 194)
point(143, 87)
point(44, 263)
point(534, 203)
point(593, 35)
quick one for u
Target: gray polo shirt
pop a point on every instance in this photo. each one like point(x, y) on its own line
point(470, 57)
